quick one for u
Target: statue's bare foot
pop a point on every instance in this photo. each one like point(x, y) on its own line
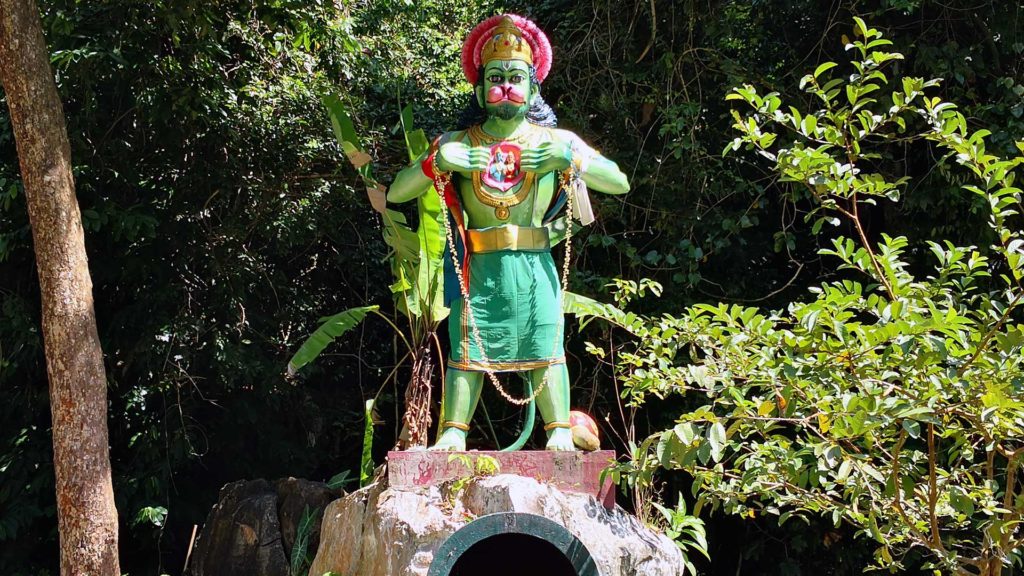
point(560, 439)
point(452, 440)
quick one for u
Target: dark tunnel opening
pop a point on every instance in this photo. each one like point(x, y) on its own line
point(513, 555)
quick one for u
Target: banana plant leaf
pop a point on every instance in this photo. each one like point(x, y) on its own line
point(345, 132)
point(427, 296)
point(330, 328)
point(403, 241)
point(430, 286)
point(416, 257)
point(366, 461)
point(429, 272)
point(415, 140)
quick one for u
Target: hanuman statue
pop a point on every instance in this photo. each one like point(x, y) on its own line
point(505, 179)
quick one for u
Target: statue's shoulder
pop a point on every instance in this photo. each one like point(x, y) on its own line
point(564, 134)
point(574, 140)
point(451, 136)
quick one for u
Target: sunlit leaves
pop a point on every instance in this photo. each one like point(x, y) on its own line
point(888, 400)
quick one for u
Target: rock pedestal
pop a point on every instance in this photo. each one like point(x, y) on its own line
point(567, 471)
point(386, 530)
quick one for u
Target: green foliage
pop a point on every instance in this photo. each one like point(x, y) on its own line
point(891, 404)
point(222, 220)
point(300, 557)
point(415, 261)
point(476, 467)
point(586, 309)
point(366, 462)
point(340, 480)
point(686, 531)
point(155, 515)
point(416, 255)
point(331, 327)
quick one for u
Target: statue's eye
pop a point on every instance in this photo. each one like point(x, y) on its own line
point(495, 79)
point(517, 78)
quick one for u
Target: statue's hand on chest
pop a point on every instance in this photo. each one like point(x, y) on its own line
point(541, 159)
point(546, 157)
point(458, 157)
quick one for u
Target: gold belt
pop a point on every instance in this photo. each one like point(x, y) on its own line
point(509, 237)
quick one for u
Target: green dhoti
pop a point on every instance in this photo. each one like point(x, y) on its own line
point(514, 292)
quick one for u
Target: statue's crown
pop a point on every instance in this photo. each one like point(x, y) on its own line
point(509, 37)
point(506, 43)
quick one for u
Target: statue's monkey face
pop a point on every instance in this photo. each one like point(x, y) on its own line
point(506, 91)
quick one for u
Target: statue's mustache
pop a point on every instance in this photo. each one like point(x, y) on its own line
point(499, 94)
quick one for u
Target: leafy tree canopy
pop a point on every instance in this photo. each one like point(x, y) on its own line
point(223, 221)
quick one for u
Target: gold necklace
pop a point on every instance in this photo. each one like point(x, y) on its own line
point(502, 204)
point(480, 135)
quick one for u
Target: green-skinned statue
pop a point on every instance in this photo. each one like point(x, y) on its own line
point(505, 179)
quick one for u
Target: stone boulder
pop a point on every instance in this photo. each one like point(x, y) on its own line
point(294, 496)
point(252, 528)
point(380, 531)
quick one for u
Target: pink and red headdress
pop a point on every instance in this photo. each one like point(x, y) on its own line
point(473, 47)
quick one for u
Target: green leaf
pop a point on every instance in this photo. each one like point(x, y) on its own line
point(401, 238)
point(348, 140)
point(416, 143)
point(844, 470)
point(344, 130)
point(331, 328)
point(913, 427)
point(340, 480)
point(431, 241)
point(300, 548)
point(852, 93)
point(366, 461)
point(415, 140)
point(716, 437)
point(860, 27)
point(155, 515)
point(809, 125)
point(824, 67)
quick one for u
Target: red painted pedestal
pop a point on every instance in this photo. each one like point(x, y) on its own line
point(567, 471)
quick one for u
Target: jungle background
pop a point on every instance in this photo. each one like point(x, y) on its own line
point(222, 221)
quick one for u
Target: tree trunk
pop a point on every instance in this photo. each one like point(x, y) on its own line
point(86, 515)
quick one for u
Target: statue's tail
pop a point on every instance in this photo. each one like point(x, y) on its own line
point(531, 415)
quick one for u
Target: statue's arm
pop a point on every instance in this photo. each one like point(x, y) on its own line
point(599, 173)
point(411, 182)
point(449, 155)
point(603, 175)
